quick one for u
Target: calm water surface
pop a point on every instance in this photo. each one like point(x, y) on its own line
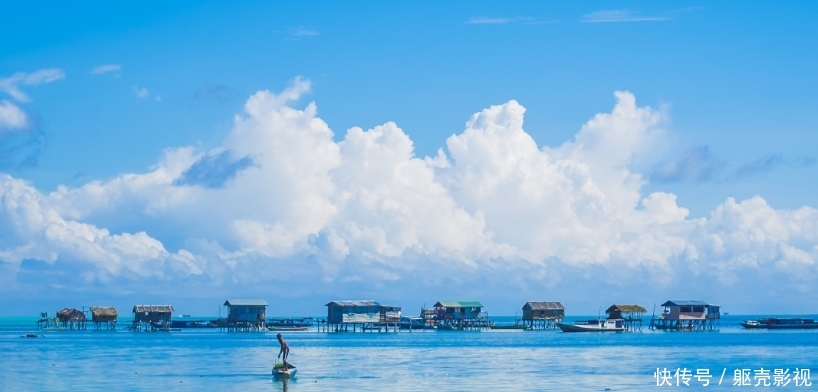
point(416, 361)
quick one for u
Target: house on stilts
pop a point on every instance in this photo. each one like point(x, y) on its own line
point(151, 318)
point(542, 315)
point(72, 318)
point(687, 315)
point(104, 317)
point(631, 315)
point(361, 315)
point(460, 316)
point(245, 315)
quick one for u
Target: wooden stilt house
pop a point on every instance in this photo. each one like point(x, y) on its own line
point(631, 315)
point(363, 315)
point(72, 318)
point(151, 318)
point(687, 315)
point(543, 315)
point(104, 317)
point(246, 315)
point(460, 315)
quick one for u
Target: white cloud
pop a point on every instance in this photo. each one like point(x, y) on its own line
point(492, 207)
point(615, 16)
point(10, 85)
point(301, 33)
point(141, 92)
point(496, 20)
point(11, 116)
point(106, 68)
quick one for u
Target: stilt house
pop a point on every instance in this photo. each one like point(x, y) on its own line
point(246, 315)
point(104, 317)
point(631, 315)
point(543, 315)
point(363, 315)
point(460, 315)
point(151, 317)
point(687, 315)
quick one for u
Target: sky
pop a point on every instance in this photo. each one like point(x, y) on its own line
point(408, 152)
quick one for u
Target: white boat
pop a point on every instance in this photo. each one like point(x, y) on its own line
point(615, 325)
point(280, 372)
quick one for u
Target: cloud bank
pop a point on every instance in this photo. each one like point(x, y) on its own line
point(282, 204)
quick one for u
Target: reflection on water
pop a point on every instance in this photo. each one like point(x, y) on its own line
point(281, 384)
point(417, 361)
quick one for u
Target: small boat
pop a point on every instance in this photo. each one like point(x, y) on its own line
point(280, 372)
point(286, 328)
point(780, 323)
point(31, 335)
point(509, 326)
point(191, 324)
point(414, 323)
point(305, 322)
point(593, 326)
point(754, 324)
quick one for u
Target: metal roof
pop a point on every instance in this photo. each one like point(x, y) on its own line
point(245, 302)
point(684, 302)
point(544, 305)
point(459, 304)
point(354, 303)
point(152, 308)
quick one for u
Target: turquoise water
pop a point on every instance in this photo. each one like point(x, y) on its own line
point(416, 361)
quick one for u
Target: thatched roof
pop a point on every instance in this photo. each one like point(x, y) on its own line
point(70, 314)
point(545, 305)
point(626, 308)
point(103, 311)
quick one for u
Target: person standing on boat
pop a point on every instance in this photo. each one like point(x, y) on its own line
point(285, 349)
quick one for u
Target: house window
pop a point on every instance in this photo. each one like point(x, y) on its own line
point(684, 309)
point(698, 309)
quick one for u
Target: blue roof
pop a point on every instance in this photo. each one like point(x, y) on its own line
point(685, 302)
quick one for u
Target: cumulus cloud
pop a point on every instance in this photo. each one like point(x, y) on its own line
point(366, 215)
point(11, 116)
point(106, 68)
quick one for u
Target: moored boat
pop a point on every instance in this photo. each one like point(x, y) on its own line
point(286, 328)
point(780, 323)
point(599, 325)
point(508, 326)
point(416, 323)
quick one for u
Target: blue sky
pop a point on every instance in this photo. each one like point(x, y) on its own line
point(123, 119)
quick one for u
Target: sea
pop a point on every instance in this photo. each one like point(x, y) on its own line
point(501, 360)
